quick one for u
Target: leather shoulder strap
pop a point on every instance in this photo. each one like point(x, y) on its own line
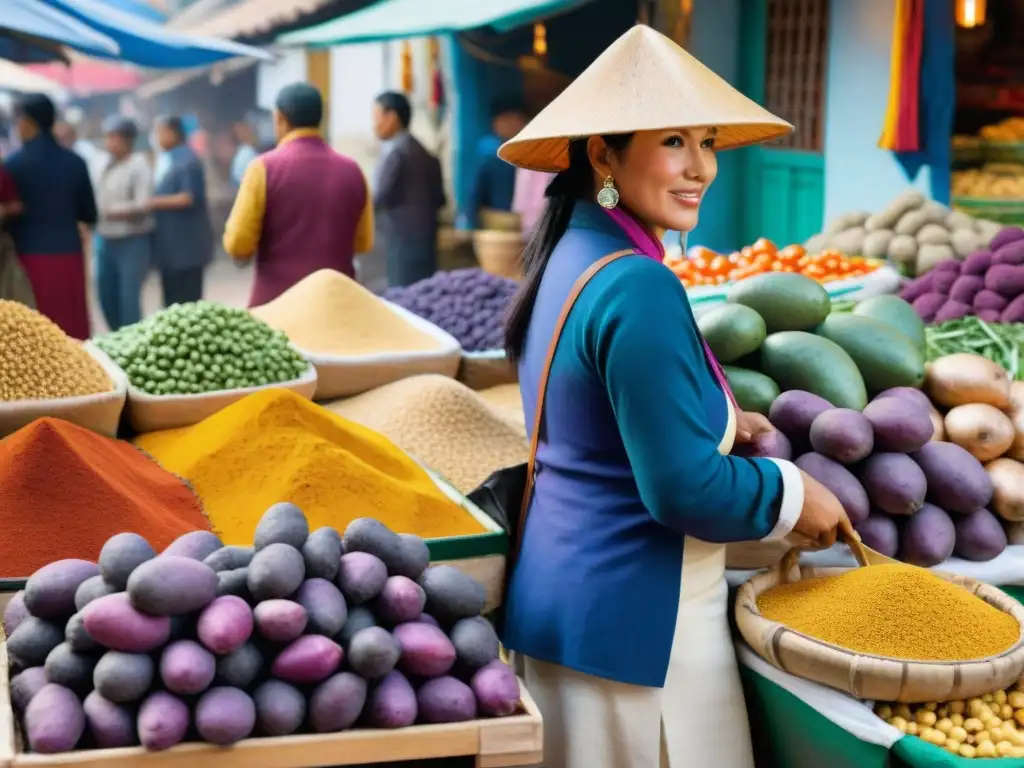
point(538, 417)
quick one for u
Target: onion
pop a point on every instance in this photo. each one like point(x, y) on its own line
point(983, 431)
point(964, 378)
point(1008, 480)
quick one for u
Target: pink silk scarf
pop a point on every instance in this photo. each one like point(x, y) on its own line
point(646, 243)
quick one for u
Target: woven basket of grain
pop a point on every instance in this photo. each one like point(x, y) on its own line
point(874, 677)
point(499, 253)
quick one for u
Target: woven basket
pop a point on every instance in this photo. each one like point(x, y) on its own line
point(875, 677)
point(499, 253)
point(502, 221)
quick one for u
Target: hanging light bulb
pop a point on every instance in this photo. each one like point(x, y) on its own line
point(540, 40)
point(970, 13)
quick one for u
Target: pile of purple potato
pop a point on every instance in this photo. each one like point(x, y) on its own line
point(989, 283)
point(909, 497)
point(303, 632)
point(470, 304)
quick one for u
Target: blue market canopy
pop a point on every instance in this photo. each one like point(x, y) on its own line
point(34, 23)
point(139, 8)
point(390, 19)
point(148, 44)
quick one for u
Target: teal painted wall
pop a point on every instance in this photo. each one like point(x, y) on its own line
point(715, 40)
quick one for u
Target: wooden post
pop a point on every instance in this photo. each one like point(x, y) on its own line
point(672, 18)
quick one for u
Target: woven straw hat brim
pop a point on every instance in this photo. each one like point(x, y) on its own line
point(642, 82)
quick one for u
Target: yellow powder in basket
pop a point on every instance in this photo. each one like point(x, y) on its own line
point(448, 426)
point(331, 314)
point(896, 611)
point(276, 446)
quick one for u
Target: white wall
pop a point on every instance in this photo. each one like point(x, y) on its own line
point(859, 175)
point(358, 73)
point(272, 76)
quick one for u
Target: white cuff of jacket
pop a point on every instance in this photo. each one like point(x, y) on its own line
point(792, 500)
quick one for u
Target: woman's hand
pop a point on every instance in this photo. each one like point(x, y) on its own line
point(821, 514)
point(750, 425)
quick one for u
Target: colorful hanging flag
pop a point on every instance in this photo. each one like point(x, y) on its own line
point(899, 31)
point(908, 128)
point(407, 81)
point(437, 94)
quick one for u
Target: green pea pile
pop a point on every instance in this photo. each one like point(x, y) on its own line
point(190, 349)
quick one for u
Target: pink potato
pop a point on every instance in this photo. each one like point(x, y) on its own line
point(426, 650)
point(392, 703)
point(966, 288)
point(1004, 236)
point(187, 668)
point(401, 600)
point(446, 700)
point(496, 689)
point(310, 659)
point(1006, 280)
point(54, 720)
point(225, 716)
point(1014, 312)
point(225, 624)
point(986, 299)
point(111, 725)
point(280, 621)
point(1010, 253)
point(114, 623)
point(163, 721)
point(977, 263)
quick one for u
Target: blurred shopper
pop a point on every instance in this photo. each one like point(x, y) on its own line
point(53, 183)
point(245, 151)
point(183, 238)
point(124, 188)
point(301, 207)
point(408, 194)
point(495, 180)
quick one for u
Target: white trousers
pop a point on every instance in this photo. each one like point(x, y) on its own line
point(698, 720)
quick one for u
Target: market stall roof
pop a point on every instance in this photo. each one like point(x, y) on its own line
point(35, 20)
point(250, 18)
point(85, 76)
point(168, 82)
point(138, 8)
point(389, 19)
point(148, 44)
point(14, 77)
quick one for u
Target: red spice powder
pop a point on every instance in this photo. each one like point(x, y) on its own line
point(65, 490)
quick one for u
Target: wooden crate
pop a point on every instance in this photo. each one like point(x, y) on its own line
point(495, 743)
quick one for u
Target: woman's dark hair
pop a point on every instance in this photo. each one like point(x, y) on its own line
point(574, 183)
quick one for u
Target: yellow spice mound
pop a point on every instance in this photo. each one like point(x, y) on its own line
point(276, 446)
point(38, 361)
point(331, 314)
point(896, 611)
point(451, 428)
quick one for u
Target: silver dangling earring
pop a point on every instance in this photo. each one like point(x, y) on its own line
point(608, 197)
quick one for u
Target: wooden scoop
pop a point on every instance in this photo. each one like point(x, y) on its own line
point(864, 554)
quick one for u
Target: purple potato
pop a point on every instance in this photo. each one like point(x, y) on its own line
point(897, 426)
point(880, 533)
point(496, 689)
point(895, 484)
point(187, 668)
point(426, 650)
point(163, 721)
point(446, 700)
point(25, 685)
point(793, 412)
point(280, 621)
point(324, 605)
point(225, 716)
point(111, 725)
point(114, 623)
point(172, 584)
point(842, 434)
point(50, 591)
point(310, 659)
point(121, 555)
point(123, 677)
point(361, 576)
point(928, 537)
point(15, 612)
point(280, 708)
point(225, 624)
point(92, 589)
point(373, 652)
point(401, 600)
point(337, 703)
point(195, 545)
point(979, 536)
point(392, 703)
point(54, 720)
point(956, 480)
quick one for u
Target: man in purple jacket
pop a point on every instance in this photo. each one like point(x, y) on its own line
point(301, 207)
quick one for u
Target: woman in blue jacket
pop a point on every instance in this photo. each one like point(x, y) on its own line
point(617, 601)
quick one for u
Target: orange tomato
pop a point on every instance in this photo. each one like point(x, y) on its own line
point(764, 245)
point(792, 252)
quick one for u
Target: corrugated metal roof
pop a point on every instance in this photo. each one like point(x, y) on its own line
point(253, 17)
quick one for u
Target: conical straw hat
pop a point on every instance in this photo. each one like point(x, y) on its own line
point(642, 82)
